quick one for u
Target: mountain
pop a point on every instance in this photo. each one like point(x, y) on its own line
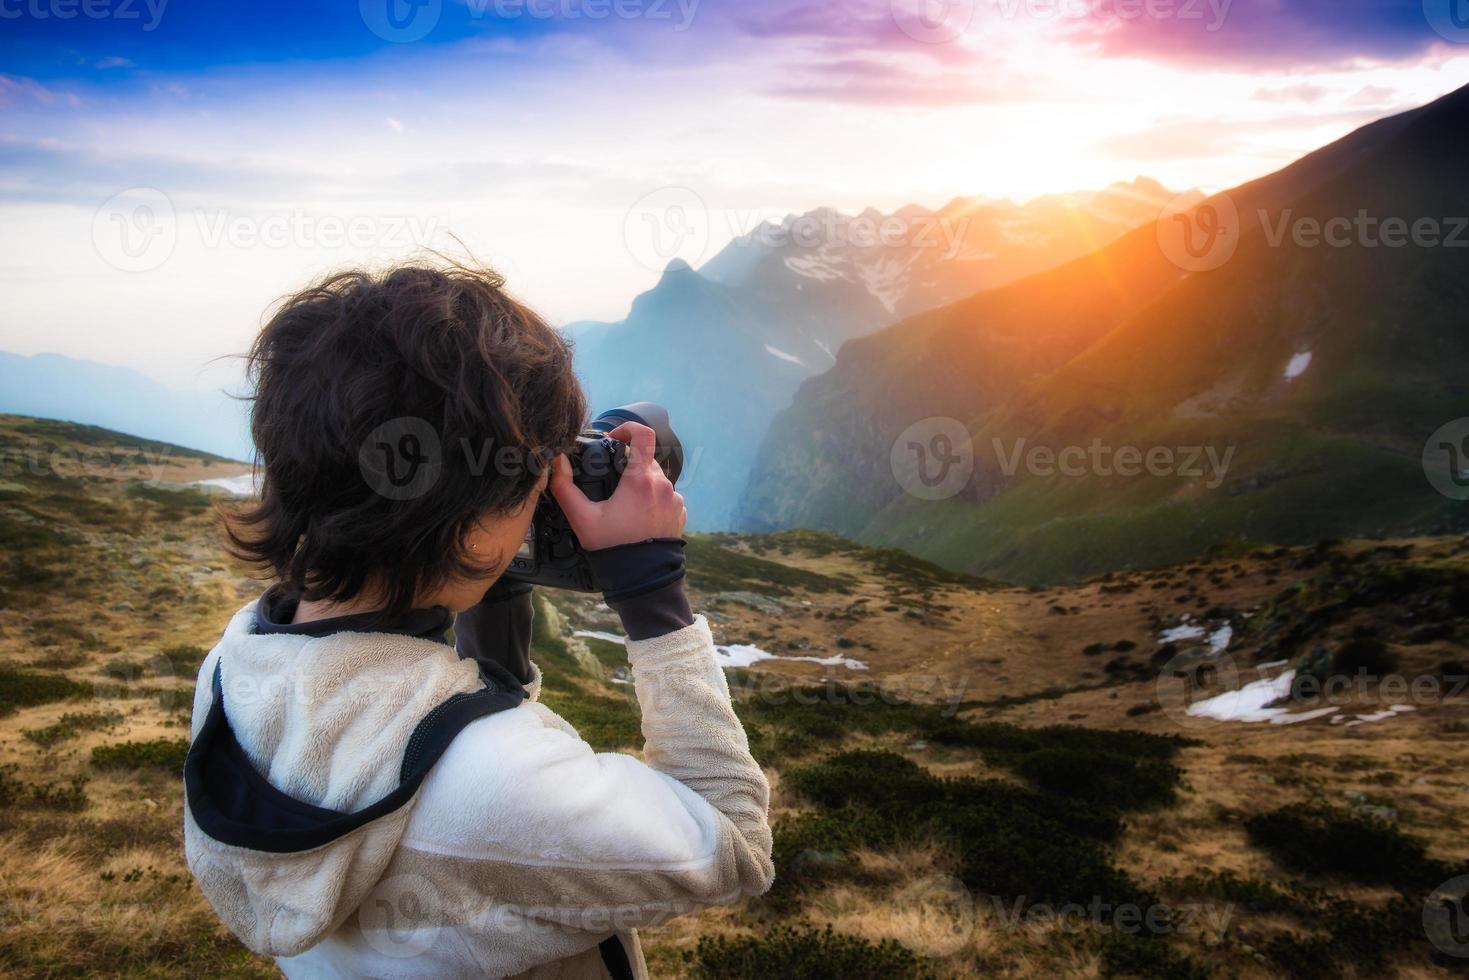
point(57, 387)
point(725, 347)
point(915, 259)
point(1321, 370)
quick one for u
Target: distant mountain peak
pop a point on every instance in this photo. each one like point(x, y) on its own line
point(676, 265)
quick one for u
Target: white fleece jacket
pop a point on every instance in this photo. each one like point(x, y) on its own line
point(522, 850)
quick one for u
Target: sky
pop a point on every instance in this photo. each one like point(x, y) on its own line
point(170, 168)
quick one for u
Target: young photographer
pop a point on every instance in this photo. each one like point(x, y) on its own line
point(362, 799)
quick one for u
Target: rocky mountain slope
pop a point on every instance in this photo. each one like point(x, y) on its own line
point(1320, 369)
point(725, 347)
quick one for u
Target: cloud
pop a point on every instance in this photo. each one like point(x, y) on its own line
point(54, 172)
point(867, 81)
point(115, 62)
point(1247, 33)
point(17, 90)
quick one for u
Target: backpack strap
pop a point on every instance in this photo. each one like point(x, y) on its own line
point(235, 805)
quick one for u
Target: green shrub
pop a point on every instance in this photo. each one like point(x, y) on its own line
point(26, 689)
point(713, 568)
point(1146, 957)
point(803, 954)
point(159, 753)
point(1012, 840)
point(1316, 839)
point(604, 723)
point(1102, 777)
point(70, 725)
point(14, 793)
point(185, 659)
point(1365, 656)
point(124, 669)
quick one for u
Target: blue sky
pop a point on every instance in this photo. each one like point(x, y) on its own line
point(537, 132)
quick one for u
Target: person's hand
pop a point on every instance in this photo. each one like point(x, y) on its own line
point(643, 506)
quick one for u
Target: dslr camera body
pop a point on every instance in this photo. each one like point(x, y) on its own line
point(550, 554)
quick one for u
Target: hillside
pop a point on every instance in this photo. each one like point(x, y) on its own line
point(954, 760)
point(121, 399)
point(724, 347)
point(1124, 349)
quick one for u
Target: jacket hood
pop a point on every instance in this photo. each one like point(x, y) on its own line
point(307, 754)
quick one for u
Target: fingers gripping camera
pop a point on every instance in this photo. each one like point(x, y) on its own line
point(551, 554)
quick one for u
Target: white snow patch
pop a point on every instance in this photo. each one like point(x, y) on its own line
point(783, 355)
point(1250, 703)
point(1388, 712)
point(1188, 631)
point(745, 654)
point(1218, 639)
point(811, 267)
point(1297, 365)
point(241, 486)
point(601, 635)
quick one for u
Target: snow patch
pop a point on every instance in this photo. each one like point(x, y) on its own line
point(1218, 639)
point(241, 486)
point(745, 654)
point(601, 635)
point(1297, 365)
point(1389, 712)
point(1251, 703)
point(812, 267)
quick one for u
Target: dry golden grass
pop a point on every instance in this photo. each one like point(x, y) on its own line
point(103, 891)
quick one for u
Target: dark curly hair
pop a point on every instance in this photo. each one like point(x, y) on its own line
point(390, 413)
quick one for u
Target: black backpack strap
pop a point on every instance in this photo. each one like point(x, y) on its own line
point(235, 805)
point(614, 958)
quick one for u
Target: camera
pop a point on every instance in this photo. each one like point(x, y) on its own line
point(550, 554)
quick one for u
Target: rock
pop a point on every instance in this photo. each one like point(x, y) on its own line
point(756, 601)
point(123, 606)
point(1385, 813)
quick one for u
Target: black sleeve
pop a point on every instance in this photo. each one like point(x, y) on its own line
point(644, 585)
point(496, 632)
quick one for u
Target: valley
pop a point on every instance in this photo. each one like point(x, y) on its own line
point(970, 778)
point(1322, 371)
